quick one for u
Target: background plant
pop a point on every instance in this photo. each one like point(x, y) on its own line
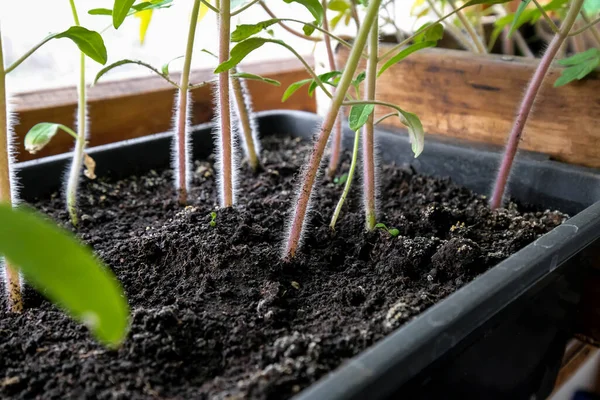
point(91, 44)
point(529, 98)
point(235, 93)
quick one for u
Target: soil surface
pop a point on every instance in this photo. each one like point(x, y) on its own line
point(216, 314)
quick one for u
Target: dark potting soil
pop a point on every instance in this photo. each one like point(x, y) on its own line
point(216, 314)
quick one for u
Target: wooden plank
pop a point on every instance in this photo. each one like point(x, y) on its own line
point(132, 108)
point(576, 355)
point(475, 97)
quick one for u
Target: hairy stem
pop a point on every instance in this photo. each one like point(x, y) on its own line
point(527, 103)
point(336, 143)
point(368, 130)
point(469, 28)
point(12, 279)
point(76, 166)
point(226, 156)
point(182, 145)
point(508, 47)
point(310, 174)
point(244, 114)
point(338, 208)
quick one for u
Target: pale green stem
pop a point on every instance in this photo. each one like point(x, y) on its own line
point(469, 28)
point(528, 101)
point(310, 174)
point(12, 281)
point(369, 186)
point(585, 27)
point(338, 131)
point(182, 145)
point(243, 112)
point(338, 208)
point(546, 17)
point(76, 166)
point(244, 7)
point(210, 6)
point(594, 31)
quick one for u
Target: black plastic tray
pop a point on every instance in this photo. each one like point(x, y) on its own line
point(500, 336)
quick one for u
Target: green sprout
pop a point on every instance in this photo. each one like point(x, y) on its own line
point(392, 231)
point(213, 219)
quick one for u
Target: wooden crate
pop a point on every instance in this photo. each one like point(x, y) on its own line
point(475, 97)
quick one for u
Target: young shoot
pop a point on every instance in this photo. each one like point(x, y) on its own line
point(213, 219)
point(342, 81)
point(182, 143)
point(82, 132)
point(88, 42)
point(247, 126)
point(392, 231)
point(528, 101)
point(358, 117)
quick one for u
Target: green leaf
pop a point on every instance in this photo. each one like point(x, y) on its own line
point(359, 115)
point(41, 134)
point(579, 66)
point(336, 20)
point(100, 11)
point(89, 42)
point(242, 49)
point(341, 179)
point(293, 88)
point(381, 225)
point(244, 31)
point(325, 78)
point(309, 28)
point(522, 6)
point(394, 232)
point(165, 68)
point(530, 16)
point(580, 57)
point(429, 32)
point(314, 6)
point(152, 5)
point(146, 5)
point(405, 53)
point(359, 78)
point(65, 271)
point(209, 53)
point(246, 75)
point(120, 11)
point(338, 5)
point(415, 131)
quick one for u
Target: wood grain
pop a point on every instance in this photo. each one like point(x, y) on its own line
point(127, 109)
point(475, 97)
